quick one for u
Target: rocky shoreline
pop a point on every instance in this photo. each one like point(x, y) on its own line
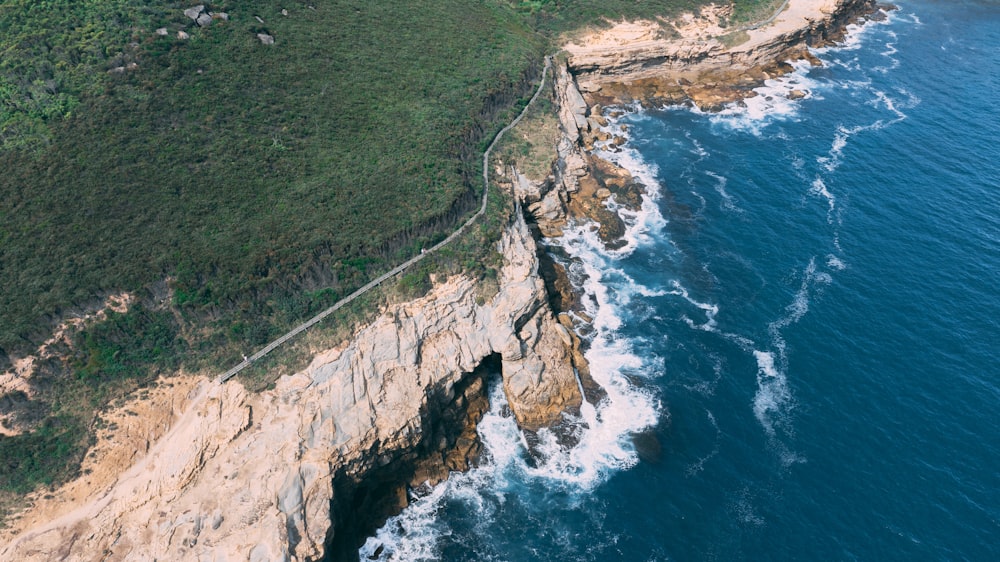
point(305, 471)
point(308, 468)
point(703, 63)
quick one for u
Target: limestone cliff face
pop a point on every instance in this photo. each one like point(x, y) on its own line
point(266, 476)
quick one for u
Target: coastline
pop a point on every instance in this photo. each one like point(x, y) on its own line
point(578, 190)
point(633, 63)
point(630, 64)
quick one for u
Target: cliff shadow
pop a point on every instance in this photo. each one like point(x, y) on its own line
point(378, 486)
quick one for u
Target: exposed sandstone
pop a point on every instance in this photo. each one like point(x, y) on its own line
point(16, 381)
point(253, 476)
point(636, 61)
point(269, 476)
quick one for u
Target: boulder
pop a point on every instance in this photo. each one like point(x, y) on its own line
point(194, 11)
point(265, 38)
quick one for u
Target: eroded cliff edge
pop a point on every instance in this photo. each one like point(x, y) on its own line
point(701, 61)
point(267, 476)
point(280, 475)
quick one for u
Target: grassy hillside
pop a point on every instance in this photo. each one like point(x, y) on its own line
point(559, 16)
point(235, 187)
point(254, 184)
point(235, 168)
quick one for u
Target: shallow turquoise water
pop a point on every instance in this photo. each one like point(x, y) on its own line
point(808, 318)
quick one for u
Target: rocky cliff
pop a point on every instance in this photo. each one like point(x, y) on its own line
point(289, 474)
point(301, 472)
point(700, 59)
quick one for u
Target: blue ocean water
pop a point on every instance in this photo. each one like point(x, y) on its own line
point(804, 329)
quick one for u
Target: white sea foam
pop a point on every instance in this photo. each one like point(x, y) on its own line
point(702, 203)
point(819, 189)
point(773, 400)
point(604, 430)
point(771, 104)
point(890, 50)
point(879, 99)
point(697, 149)
point(728, 203)
point(699, 465)
point(411, 535)
point(605, 446)
point(639, 224)
point(744, 509)
point(856, 33)
point(772, 395)
point(710, 310)
point(835, 263)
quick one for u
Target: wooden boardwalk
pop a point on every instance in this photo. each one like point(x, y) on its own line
point(408, 263)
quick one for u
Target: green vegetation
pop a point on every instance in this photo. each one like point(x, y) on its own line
point(243, 172)
point(249, 185)
point(128, 345)
point(237, 188)
point(562, 16)
point(747, 12)
point(52, 50)
point(41, 457)
point(531, 145)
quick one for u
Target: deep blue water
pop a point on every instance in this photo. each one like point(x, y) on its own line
point(808, 318)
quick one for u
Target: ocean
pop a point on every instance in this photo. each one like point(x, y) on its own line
point(801, 341)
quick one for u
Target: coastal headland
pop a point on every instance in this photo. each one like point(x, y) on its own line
point(303, 470)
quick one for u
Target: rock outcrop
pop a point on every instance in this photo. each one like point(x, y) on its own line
point(638, 61)
point(581, 183)
point(304, 470)
point(287, 473)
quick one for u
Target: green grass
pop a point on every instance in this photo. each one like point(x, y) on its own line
point(27, 461)
point(262, 183)
point(252, 185)
point(236, 169)
point(746, 12)
point(557, 16)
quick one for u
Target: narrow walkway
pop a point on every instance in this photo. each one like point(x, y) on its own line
point(408, 263)
point(768, 21)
